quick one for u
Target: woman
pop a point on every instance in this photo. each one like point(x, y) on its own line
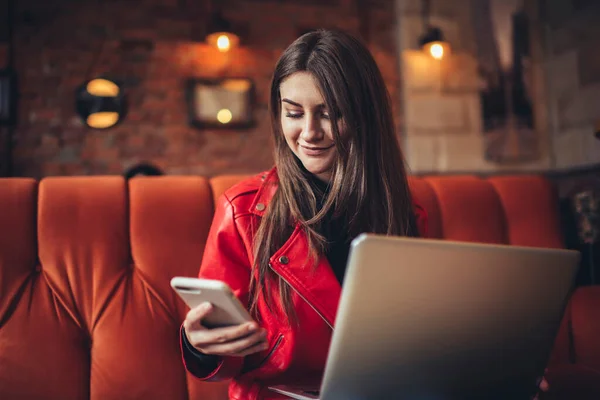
point(281, 240)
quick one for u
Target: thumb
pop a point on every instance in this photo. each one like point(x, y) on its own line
point(197, 314)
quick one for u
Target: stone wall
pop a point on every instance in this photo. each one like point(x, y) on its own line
point(573, 65)
point(441, 98)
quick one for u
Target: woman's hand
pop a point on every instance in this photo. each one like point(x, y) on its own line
point(239, 340)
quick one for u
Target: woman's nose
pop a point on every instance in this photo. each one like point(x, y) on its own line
point(312, 130)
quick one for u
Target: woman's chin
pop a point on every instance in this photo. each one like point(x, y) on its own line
point(322, 173)
point(319, 167)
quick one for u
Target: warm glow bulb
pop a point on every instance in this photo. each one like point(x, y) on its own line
point(224, 116)
point(437, 51)
point(102, 88)
point(223, 43)
point(102, 120)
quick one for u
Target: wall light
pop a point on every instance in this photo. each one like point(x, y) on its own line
point(220, 34)
point(432, 40)
point(100, 103)
point(433, 43)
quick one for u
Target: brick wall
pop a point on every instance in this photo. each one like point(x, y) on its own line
point(155, 45)
point(574, 80)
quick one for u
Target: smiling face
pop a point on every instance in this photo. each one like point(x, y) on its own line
point(306, 125)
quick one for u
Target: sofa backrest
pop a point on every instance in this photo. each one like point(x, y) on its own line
point(86, 310)
point(519, 210)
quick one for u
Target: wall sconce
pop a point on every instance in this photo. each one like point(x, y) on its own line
point(100, 103)
point(433, 43)
point(432, 40)
point(220, 34)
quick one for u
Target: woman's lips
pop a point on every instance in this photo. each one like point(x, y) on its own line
point(315, 151)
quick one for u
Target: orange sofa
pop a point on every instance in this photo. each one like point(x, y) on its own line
point(86, 310)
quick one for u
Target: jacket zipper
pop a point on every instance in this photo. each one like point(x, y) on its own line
point(264, 360)
point(303, 298)
point(279, 339)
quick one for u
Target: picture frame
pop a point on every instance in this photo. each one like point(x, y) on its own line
point(224, 103)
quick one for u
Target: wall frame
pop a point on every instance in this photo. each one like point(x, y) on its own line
point(226, 103)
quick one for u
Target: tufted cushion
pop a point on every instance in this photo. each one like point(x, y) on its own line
point(94, 317)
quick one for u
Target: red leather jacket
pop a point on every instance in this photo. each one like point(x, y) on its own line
point(297, 352)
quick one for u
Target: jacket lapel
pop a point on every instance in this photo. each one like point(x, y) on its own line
point(318, 286)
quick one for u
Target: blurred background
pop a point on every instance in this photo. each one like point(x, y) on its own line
point(97, 87)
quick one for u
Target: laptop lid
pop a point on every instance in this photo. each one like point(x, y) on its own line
point(436, 319)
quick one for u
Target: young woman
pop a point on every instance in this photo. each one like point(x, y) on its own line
point(280, 240)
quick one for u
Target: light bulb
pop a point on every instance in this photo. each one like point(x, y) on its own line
point(223, 43)
point(224, 116)
point(437, 51)
point(101, 120)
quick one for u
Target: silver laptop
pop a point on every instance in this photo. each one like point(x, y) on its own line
point(435, 319)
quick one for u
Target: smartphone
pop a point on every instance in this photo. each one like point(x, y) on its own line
point(227, 309)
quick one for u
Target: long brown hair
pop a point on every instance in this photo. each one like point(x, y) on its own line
point(368, 187)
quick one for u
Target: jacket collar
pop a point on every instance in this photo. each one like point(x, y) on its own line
point(265, 193)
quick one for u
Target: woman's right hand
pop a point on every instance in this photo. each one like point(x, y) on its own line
point(239, 340)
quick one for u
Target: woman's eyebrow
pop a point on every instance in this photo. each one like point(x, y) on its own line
point(298, 104)
point(291, 102)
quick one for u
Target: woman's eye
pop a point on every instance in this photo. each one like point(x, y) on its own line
point(293, 115)
point(325, 115)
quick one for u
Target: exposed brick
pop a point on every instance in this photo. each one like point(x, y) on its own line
point(155, 45)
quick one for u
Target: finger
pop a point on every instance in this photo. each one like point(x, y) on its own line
point(237, 350)
point(233, 347)
point(230, 333)
point(208, 343)
point(196, 315)
point(260, 346)
point(208, 337)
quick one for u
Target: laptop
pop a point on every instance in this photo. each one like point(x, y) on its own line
point(436, 319)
